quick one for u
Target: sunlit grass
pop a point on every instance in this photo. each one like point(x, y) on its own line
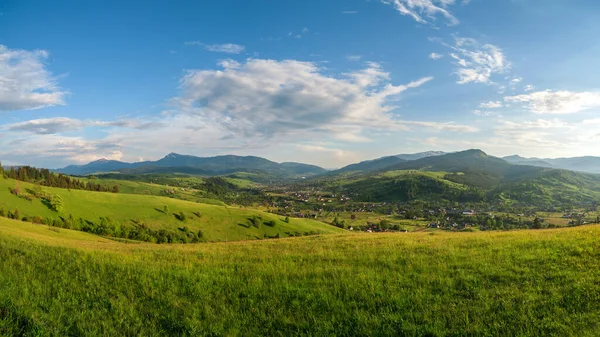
point(494, 283)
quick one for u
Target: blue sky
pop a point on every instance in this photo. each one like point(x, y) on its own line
point(322, 82)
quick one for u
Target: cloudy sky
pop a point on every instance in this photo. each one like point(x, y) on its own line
point(322, 82)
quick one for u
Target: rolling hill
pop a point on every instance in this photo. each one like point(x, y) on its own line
point(217, 222)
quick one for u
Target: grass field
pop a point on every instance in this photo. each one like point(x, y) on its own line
point(146, 188)
point(218, 223)
point(530, 283)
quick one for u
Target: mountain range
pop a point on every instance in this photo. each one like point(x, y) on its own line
point(582, 164)
point(466, 176)
point(178, 163)
point(220, 165)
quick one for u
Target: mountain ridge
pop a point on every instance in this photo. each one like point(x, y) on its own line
point(179, 163)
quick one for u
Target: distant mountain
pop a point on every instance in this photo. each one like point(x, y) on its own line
point(464, 161)
point(518, 160)
point(472, 176)
point(472, 167)
point(383, 162)
point(101, 165)
point(177, 163)
point(303, 169)
point(582, 164)
point(370, 165)
point(420, 155)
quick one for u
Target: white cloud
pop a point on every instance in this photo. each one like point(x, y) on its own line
point(354, 57)
point(557, 102)
point(424, 11)
point(435, 56)
point(595, 121)
point(47, 126)
point(529, 87)
point(340, 155)
point(229, 48)
point(491, 105)
point(264, 98)
point(476, 62)
point(481, 113)
point(349, 12)
point(540, 124)
point(56, 125)
point(60, 148)
point(442, 126)
point(25, 83)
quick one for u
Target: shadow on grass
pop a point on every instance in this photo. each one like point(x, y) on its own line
point(47, 203)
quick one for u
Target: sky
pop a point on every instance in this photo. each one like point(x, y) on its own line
point(321, 82)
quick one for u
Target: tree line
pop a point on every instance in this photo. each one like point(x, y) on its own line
point(48, 178)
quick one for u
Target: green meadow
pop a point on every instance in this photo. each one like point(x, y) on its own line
point(57, 282)
point(217, 222)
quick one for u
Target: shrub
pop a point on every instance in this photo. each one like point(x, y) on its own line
point(255, 221)
point(270, 223)
point(17, 189)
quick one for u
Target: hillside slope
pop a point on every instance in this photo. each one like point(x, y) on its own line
point(524, 283)
point(218, 223)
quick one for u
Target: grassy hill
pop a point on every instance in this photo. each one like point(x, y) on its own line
point(217, 222)
point(531, 283)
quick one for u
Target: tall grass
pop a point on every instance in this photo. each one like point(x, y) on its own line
point(422, 284)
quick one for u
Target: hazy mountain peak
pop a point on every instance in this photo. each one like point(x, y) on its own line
point(474, 153)
point(172, 155)
point(420, 155)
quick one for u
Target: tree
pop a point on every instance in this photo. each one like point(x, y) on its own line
point(166, 209)
point(115, 189)
point(385, 224)
point(37, 189)
point(17, 189)
point(56, 203)
point(287, 219)
point(537, 223)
